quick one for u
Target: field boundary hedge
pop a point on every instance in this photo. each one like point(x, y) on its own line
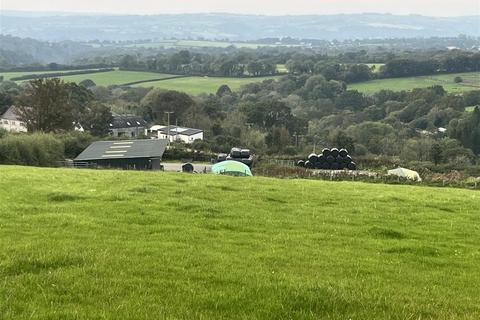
point(152, 80)
point(60, 74)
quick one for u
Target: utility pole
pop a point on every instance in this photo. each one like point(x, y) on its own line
point(296, 135)
point(176, 130)
point(168, 125)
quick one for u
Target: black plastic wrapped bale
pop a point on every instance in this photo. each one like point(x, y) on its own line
point(301, 163)
point(330, 159)
point(236, 153)
point(313, 158)
point(343, 152)
point(334, 152)
point(187, 167)
point(324, 165)
point(341, 165)
point(309, 165)
point(335, 166)
point(222, 157)
point(348, 159)
point(245, 153)
point(340, 159)
point(248, 162)
point(352, 166)
point(318, 165)
point(326, 152)
point(322, 158)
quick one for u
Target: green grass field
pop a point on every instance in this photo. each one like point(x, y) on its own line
point(116, 77)
point(376, 66)
point(191, 85)
point(79, 244)
point(470, 109)
point(198, 85)
point(282, 68)
point(471, 82)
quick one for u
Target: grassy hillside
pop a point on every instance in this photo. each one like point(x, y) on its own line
point(197, 85)
point(80, 244)
point(471, 82)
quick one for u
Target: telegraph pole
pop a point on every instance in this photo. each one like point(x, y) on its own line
point(168, 125)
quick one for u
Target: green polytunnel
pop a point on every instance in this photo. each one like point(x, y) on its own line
point(232, 168)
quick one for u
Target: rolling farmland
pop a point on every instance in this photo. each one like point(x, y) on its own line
point(471, 81)
point(131, 245)
point(191, 85)
point(116, 77)
point(198, 85)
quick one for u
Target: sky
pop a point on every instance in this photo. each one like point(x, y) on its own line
point(267, 7)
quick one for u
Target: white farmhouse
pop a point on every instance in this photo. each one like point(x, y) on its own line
point(11, 122)
point(175, 133)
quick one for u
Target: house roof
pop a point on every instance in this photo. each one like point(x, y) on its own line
point(11, 114)
point(126, 149)
point(127, 121)
point(174, 130)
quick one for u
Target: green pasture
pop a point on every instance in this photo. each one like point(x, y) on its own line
point(198, 85)
point(471, 81)
point(80, 244)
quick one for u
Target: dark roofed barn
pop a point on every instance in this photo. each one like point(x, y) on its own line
point(128, 154)
point(129, 126)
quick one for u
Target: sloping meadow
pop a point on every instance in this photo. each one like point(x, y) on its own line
point(80, 244)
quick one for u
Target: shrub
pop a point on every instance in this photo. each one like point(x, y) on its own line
point(75, 143)
point(458, 80)
point(33, 150)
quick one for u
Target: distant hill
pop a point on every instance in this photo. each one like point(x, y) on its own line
point(59, 27)
point(15, 51)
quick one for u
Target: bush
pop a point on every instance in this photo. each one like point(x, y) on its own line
point(458, 80)
point(87, 83)
point(75, 142)
point(34, 150)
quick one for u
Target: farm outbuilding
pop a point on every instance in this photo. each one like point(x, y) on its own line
point(129, 154)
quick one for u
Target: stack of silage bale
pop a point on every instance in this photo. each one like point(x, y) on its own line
point(238, 154)
point(329, 159)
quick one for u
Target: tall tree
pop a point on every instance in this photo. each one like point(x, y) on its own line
point(467, 130)
point(46, 106)
point(157, 102)
point(96, 119)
